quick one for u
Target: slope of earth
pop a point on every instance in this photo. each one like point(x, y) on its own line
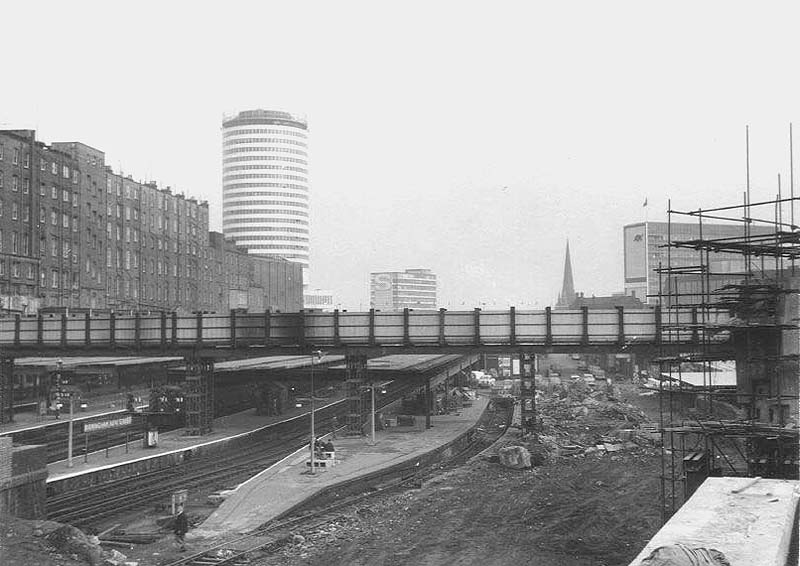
point(593, 507)
point(44, 543)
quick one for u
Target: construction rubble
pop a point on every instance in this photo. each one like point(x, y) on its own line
point(576, 420)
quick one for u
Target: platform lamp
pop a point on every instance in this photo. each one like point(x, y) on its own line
point(375, 364)
point(60, 365)
point(315, 355)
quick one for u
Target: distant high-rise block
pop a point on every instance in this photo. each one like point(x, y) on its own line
point(396, 290)
point(647, 257)
point(265, 189)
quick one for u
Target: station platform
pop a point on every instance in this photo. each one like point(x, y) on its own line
point(289, 482)
point(100, 406)
point(224, 429)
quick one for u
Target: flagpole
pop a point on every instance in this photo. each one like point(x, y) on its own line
point(645, 299)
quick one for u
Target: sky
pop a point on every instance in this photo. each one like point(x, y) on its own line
point(470, 138)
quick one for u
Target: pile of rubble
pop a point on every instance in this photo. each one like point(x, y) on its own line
point(575, 420)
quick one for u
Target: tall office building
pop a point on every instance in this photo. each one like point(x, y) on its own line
point(645, 250)
point(265, 197)
point(397, 290)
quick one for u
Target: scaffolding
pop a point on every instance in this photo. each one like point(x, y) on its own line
point(199, 396)
point(740, 289)
point(357, 406)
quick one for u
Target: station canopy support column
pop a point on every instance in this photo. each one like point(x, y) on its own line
point(6, 390)
point(355, 379)
point(199, 395)
point(527, 363)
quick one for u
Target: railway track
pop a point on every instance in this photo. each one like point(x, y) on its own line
point(89, 506)
point(272, 536)
point(97, 504)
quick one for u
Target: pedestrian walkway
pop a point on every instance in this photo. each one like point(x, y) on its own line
point(288, 482)
point(224, 429)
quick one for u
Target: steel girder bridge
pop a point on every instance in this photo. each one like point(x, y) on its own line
point(643, 330)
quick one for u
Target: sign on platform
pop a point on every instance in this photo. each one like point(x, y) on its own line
point(108, 423)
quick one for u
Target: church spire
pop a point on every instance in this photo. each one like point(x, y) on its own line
point(567, 295)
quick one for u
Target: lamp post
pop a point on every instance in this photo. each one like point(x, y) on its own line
point(59, 366)
point(318, 355)
point(372, 416)
point(375, 364)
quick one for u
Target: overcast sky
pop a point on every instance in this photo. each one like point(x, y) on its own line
point(464, 137)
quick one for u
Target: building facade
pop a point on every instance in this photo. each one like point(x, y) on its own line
point(76, 235)
point(645, 249)
point(397, 290)
point(265, 186)
point(254, 283)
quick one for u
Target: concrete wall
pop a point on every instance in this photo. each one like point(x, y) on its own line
point(750, 523)
point(766, 375)
point(790, 346)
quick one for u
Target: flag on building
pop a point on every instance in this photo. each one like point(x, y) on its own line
point(645, 202)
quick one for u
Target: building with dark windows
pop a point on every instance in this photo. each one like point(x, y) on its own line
point(39, 194)
point(254, 283)
point(397, 290)
point(265, 188)
point(645, 250)
point(76, 235)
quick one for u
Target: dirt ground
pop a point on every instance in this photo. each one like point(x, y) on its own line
point(580, 506)
point(596, 508)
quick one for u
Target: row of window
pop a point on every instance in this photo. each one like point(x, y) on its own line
point(287, 132)
point(30, 270)
point(276, 247)
point(26, 163)
point(241, 158)
point(254, 185)
point(237, 141)
point(230, 205)
point(271, 149)
point(154, 199)
point(226, 178)
point(228, 195)
point(15, 243)
point(274, 238)
point(263, 211)
point(187, 207)
point(263, 166)
point(228, 221)
point(267, 229)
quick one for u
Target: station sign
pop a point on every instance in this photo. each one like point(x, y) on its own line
point(106, 424)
